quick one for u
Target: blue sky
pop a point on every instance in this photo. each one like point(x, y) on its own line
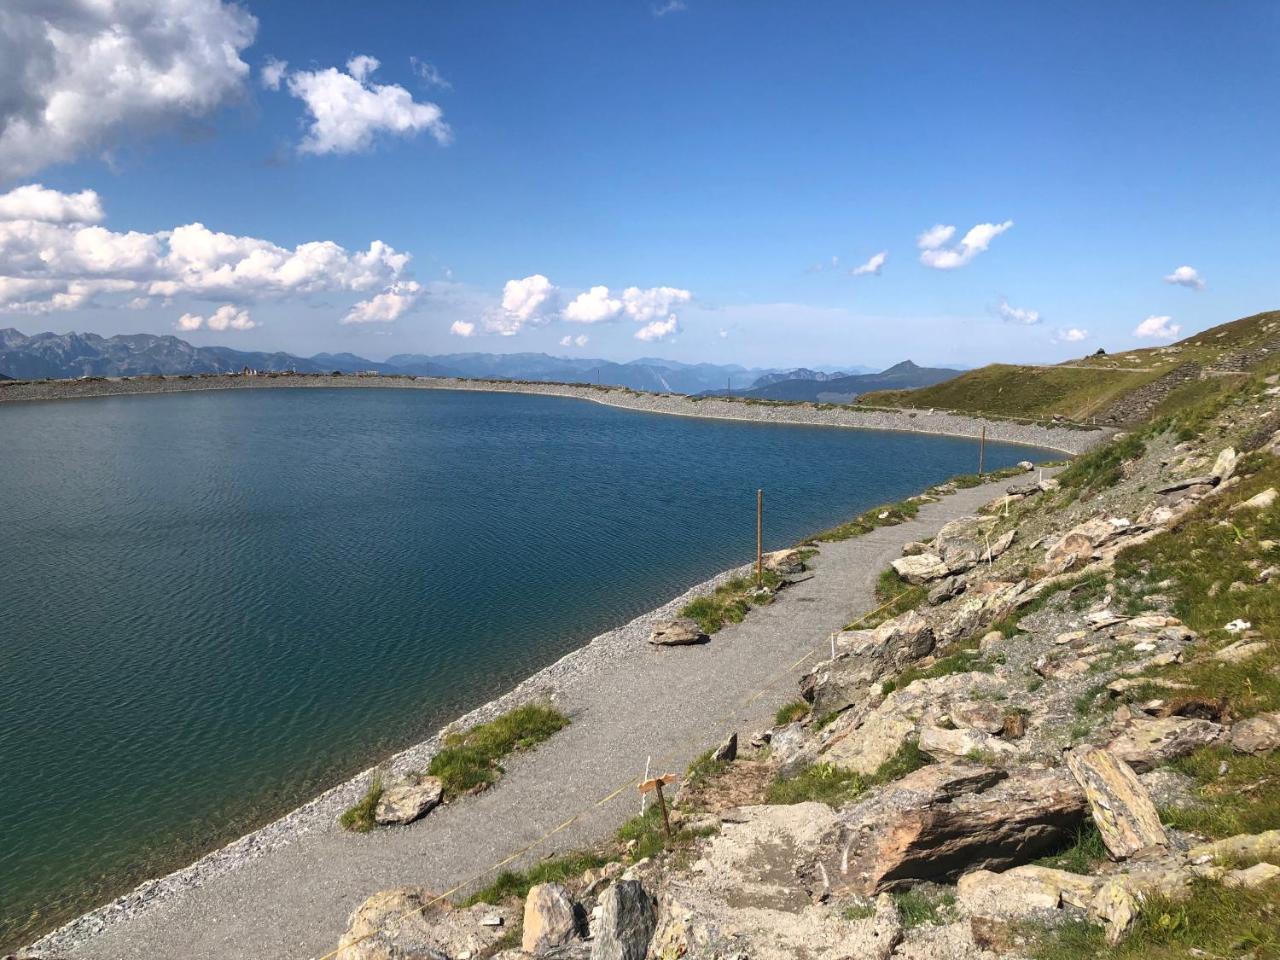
point(713, 156)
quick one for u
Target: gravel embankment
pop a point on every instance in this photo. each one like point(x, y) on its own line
point(1063, 437)
point(286, 891)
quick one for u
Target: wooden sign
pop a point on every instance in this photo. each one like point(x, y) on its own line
point(649, 786)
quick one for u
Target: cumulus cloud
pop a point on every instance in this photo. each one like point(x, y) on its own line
point(935, 253)
point(570, 341)
point(594, 306)
point(226, 317)
point(659, 329)
point(647, 305)
point(462, 328)
point(75, 75)
point(348, 110)
point(1186, 276)
point(1159, 328)
point(385, 306)
point(872, 267)
point(1011, 314)
point(531, 300)
point(272, 73)
point(1071, 335)
point(51, 260)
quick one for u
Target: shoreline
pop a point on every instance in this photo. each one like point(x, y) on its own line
point(321, 812)
point(1064, 438)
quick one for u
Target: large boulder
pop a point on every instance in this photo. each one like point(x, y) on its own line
point(1121, 806)
point(921, 568)
point(1145, 744)
point(550, 919)
point(864, 657)
point(1260, 734)
point(946, 819)
point(407, 799)
point(1243, 846)
point(677, 633)
point(409, 923)
point(626, 923)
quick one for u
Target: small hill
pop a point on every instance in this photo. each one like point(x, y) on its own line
point(813, 387)
point(1116, 388)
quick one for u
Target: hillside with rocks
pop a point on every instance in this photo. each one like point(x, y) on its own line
point(1056, 738)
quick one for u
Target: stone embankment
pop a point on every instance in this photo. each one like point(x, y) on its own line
point(1065, 437)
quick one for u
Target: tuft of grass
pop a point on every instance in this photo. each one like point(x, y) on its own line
point(728, 603)
point(705, 768)
point(469, 761)
point(966, 659)
point(1082, 855)
point(359, 818)
point(791, 712)
point(908, 759)
point(885, 515)
point(858, 911)
point(820, 782)
point(917, 907)
point(1103, 466)
point(1239, 793)
point(515, 885)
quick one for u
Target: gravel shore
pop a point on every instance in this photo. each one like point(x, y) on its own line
point(286, 890)
point(1066, 438)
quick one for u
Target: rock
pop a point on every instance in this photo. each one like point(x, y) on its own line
point(792, 750)
point(946, 819)
point(999, 546)
point(921, 568)
point(404, 801)
point(409, 923)
point(677, 633)
point(914, 548)
point(549, 919)
point(1023, 891)
point(727, 752)
point(992, 638)
point(1195, 484)
point(1254, 876)
point(1243, 846)
point(1260, 501)
point(626, 923)
point(1240, 651)
point(1170, 789)
point(948, 589)
point(1121, 806)
point(1145, 744)
point(1260, 734)
point(864, 749)
point(1116, 907)
point(943, 744)
point(981, 715)
point(1026, 465)
point(784, 562)
point(866, 656)
point(1225, 465)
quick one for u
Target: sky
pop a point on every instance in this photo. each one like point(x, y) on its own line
point(775, 184)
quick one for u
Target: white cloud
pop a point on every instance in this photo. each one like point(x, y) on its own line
point(872, 267)
point(934, 252)
point(531, 300)
point(429, 74)
point(386, 306)
point(226, 317)
point(645, 306)
point(273, 72)
point(58, 263)
point(36, 202)
point(1071, 335)
point(659, 329)
point(594, 306)
point(1158, 328)
point(76, 75)
point(348, 110)
point(1186, 276)
point(462, 328)
point(1011, 314)
point(724, 334)
point(668, 6)
point(571, 341)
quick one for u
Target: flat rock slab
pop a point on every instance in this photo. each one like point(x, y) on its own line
point(408, 799)
point(1121, 806)
point(677, 633)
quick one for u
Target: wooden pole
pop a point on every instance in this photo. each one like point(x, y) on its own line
point(759, 538)
point(662, 805)
point(982, 449)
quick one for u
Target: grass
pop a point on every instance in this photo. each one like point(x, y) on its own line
point(728, 603)
point(791, 712)
point(469, 761)
point(1082, 855)
point(836, 786)
point(359, 818)
point(918, 906)
point(704, 768)
point(1243, 799)
point(1213, 921)
point(858, 911)
point(891, 587)
point(886, 515)
point(1103, 466)
point(966, 659)
point(511, 884)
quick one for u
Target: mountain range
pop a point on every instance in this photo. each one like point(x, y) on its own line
point(59, 356)
point(842, 388)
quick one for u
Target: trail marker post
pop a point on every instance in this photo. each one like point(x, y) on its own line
point(759, 538)
point(655, 785)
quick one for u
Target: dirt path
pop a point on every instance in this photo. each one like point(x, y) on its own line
point(628, 701)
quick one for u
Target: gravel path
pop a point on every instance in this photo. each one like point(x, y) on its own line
point(287, 891)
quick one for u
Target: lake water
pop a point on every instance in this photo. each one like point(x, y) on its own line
point(215, 605)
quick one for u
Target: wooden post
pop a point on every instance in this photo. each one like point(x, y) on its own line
point(656, 785)
point(759, 538)
point(982, 449)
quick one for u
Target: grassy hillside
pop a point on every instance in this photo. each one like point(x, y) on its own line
point(1115, 388)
